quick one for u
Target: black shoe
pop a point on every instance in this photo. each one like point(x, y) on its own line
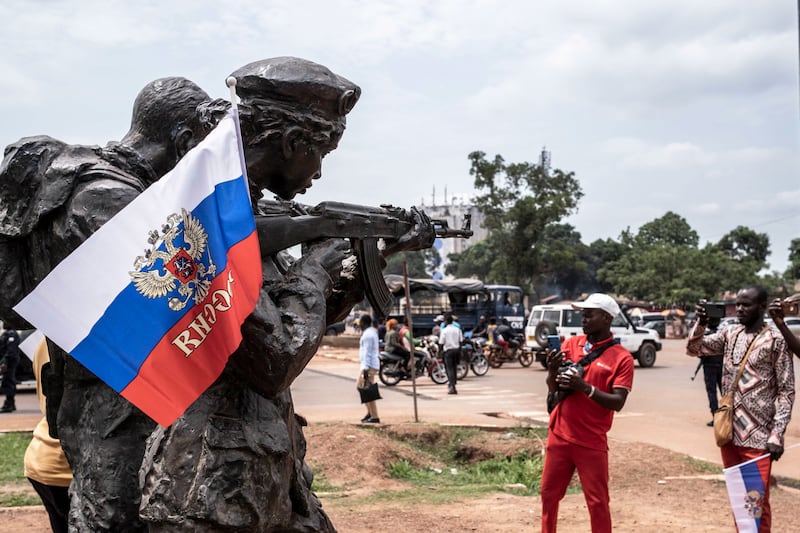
point(710, 424)
point(366, 418)
point(8, 409)
point(373, 420)
point(452, 391)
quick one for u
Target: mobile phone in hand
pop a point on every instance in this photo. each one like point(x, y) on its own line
point(553, 342)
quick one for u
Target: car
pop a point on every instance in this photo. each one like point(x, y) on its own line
point(337, 328)
point(793, 323)
point(563, 320)
point(652, 317)
point(659, 326)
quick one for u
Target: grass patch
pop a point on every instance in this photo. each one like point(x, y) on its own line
point(487, 475)
point(12, 451)
point(471, 470)
point(431, 495)
point(19, 499)
point(702, 467)
point(323, 484)
point(788, 482)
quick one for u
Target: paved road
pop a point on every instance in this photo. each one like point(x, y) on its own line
point(665, 408)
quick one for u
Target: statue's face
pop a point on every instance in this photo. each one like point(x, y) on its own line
point(286, 173)
point(302, 168)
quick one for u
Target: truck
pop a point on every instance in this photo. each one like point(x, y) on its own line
point(468, 299)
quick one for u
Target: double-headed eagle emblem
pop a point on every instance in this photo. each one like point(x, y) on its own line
point(178, 264)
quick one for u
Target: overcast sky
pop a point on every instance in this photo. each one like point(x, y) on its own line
point(658, 105)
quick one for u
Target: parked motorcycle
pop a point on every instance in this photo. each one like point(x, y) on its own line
point(516, 351)
point(426, 361)
point(472, 356)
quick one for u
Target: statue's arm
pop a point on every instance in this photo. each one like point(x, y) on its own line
point(284, 331)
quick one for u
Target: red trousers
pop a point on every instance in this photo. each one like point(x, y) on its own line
point(733, 455)
point(561, 460)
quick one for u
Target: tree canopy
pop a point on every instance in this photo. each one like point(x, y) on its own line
point(529, 245)
point(519, 202)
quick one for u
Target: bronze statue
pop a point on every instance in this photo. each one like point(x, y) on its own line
point(52, 197)
point(234, 461)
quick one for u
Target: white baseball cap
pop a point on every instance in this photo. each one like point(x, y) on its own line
point(599, 301)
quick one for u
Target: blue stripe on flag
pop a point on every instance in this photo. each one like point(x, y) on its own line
point(133, 324)
point(751, 475)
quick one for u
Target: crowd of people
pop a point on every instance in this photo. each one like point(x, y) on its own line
point(588, 380)
point(590, 376)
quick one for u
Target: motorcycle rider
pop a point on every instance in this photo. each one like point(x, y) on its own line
point(490, 329)
point(392, 342)
point(481, 328)
point(437, 325)
point(504, 336)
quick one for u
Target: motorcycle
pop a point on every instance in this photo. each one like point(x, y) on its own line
point(469, 359)
point(516, 351)
point(472, 356)
point(426, 361)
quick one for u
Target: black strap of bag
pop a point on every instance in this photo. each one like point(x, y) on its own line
point(590, 357)
point(585, 361)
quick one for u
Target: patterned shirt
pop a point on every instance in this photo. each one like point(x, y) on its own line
point(764, 397)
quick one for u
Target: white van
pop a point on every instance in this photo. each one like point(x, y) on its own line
point(563, 320)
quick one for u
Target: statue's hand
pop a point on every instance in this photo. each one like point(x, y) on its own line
point(329, 254)
point(420, 237)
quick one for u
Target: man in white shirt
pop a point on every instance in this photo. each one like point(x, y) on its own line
point(450, 338)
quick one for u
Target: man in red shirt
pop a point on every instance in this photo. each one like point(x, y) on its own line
point(581, 402)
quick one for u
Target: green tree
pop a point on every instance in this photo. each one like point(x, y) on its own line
point(662, 263)
point(519, 200)
point(744, 244)
point(668, 230)
point(476, 261)
point(601, 253)
point(418, 263)
point(565, 261)
point(794, 260)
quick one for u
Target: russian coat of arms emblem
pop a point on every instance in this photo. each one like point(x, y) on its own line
point(178, 263)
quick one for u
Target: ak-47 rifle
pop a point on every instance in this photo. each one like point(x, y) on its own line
point(283, 224)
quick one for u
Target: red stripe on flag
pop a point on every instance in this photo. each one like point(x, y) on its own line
point(193, 353)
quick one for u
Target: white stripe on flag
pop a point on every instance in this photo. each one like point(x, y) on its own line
point(84, 284)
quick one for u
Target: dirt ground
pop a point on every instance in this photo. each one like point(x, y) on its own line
point(652, 489)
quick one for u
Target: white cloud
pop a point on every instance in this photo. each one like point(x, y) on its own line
point(681, 105)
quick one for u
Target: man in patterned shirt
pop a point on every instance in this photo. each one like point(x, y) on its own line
point(765, 394)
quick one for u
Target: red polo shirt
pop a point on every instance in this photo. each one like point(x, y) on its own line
point(579, 419)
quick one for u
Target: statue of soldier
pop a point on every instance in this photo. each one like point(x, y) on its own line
point(53, 196)
point(235, 460)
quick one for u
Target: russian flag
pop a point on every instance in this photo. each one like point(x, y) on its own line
point(747, 483)
point(152, 303)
